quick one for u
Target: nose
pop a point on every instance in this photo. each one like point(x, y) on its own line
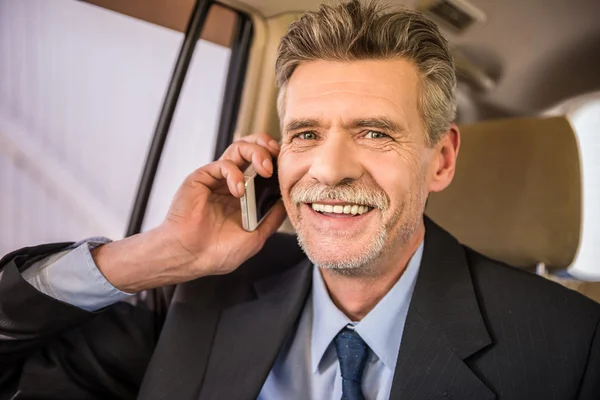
point(336, 161)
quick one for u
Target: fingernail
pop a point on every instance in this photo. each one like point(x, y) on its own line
point(274, 145)
point(240, 188)
point(267, 165)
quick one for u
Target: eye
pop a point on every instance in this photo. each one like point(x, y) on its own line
point(306, 136)
point(375, 135)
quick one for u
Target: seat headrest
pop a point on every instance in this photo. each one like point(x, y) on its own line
point(516, 195)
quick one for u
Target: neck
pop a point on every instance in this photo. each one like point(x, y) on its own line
point(355, 296)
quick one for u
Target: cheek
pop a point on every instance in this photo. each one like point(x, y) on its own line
point(395, 183)
point(398, 176)
point(292, 168)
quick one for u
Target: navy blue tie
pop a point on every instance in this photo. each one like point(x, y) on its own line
point(352, 353)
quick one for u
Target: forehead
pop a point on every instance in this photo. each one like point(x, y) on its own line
point(344, 90)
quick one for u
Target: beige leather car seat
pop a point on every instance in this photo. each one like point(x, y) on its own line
point(517, 195)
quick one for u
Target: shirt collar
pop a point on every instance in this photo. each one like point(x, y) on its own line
point(381, 328)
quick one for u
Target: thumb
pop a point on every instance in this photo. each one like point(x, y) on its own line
point(271, 222)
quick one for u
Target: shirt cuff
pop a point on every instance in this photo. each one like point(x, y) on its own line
point(72, 277)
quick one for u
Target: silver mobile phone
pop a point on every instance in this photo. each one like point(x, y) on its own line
point(260, 195)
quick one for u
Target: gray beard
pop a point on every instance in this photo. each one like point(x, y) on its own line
point(367, 263)
point(355, 266)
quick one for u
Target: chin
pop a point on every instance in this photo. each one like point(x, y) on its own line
point(341, 254)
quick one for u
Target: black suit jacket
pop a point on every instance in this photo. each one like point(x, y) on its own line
point(476, 329)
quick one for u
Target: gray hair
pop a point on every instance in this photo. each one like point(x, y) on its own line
point(362, 31)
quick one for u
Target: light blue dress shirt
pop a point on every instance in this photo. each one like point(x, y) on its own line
point(307, 365)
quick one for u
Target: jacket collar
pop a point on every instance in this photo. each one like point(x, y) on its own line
point(444, 326)
point(223, 333)
point(250, 335)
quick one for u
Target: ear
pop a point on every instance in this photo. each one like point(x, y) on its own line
point(443, 164)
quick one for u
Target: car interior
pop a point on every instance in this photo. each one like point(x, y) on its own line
point(527, 186)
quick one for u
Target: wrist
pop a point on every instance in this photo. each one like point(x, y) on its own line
point(143, 261)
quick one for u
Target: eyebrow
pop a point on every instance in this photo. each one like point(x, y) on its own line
point(383, 123)
point(302, 123)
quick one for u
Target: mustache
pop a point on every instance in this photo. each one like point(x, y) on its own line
point(354, 193)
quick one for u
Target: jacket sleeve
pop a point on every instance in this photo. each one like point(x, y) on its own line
point(52, 349)
point(590, 385)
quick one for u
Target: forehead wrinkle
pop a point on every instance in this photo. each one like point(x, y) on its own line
point(367, 89)
point(303, 98)
point(306, 102)
point(366, 112)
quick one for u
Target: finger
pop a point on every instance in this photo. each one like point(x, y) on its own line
point(263, 139)
point(243, 153)
point(213, 174)
point(271, 222)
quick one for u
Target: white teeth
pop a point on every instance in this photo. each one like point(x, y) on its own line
point(353, 209)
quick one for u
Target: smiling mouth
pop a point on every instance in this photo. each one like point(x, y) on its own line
point(340, 209)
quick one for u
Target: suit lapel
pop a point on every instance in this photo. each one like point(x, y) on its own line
point(222, 333)
point(179, 361)
point(249, 336)
point(444, 326)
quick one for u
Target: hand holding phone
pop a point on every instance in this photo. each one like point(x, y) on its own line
point(201, 234)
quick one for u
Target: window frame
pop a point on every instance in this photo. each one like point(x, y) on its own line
point(234, 84)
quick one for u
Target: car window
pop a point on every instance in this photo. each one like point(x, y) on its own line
point(192, 137)
point(81, 89)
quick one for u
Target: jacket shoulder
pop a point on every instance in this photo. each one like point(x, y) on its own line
point(544, 336)
point(503, 287)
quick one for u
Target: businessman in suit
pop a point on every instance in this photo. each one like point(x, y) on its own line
point(376, 302)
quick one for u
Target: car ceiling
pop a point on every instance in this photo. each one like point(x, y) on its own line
point(536, 52)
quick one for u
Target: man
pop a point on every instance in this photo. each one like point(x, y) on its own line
point(387, 304)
